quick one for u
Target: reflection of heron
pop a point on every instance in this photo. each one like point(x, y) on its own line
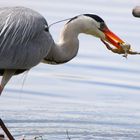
point(25, 39)
point(136, 11)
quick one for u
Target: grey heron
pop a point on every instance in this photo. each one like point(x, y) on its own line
point(25, 40)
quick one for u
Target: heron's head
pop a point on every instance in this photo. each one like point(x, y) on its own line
point(94, 25)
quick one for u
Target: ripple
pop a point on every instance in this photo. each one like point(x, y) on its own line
point(95, 96)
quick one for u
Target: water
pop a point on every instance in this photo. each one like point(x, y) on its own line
point(94, 96)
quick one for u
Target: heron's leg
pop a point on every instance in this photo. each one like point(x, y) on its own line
point(6, 77)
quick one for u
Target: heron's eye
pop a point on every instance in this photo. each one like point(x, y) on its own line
point(102, 25)
point(46, 28)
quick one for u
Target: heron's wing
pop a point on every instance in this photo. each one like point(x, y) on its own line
point(18, 25)
point(21, 31)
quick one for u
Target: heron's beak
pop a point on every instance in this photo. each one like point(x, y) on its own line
point(113, 39)
point(121, 46)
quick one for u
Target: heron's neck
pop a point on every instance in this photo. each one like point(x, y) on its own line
point(68, 44)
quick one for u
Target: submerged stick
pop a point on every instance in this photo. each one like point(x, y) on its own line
point(136, 11)
point(68, 137)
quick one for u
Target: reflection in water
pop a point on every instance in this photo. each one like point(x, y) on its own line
point(95, 96)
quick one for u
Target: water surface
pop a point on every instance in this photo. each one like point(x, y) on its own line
point(94, 96)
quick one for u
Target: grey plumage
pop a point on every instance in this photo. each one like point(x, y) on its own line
point(22, 30)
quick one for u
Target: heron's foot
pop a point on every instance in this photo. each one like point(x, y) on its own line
point(125, 50)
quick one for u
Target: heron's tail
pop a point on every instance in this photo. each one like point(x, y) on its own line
point(6, 77)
